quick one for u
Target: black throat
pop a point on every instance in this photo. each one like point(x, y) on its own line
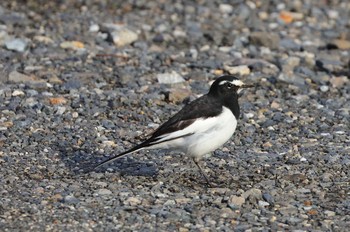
point(229, 101)
point(232, 104)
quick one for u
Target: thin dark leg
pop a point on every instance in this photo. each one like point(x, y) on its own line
point(201, 171)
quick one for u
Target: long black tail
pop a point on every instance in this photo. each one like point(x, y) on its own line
point(134, 149)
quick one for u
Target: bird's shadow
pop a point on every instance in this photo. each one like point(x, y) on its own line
point(84, 160)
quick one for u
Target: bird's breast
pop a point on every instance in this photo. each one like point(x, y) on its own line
point(214, 133)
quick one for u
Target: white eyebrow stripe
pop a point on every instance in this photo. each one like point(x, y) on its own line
point(234, 82)
point(237, 82)
point(223, 82)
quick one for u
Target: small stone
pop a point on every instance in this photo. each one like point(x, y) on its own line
point(17, 77)
point(333, 14)
point(324, 88)
point(57, 197)
point(225, 8)
point(263, 204)
point(227, 213)
point(249, 115)
point(238, 70)
point(109, 143)
point(133, 201)
point(122, 36)
point(75, 114)
point(329, 213)
point(286, 17)
point(338, 82)
point(312, 212)
point(94, 28)
point(55, 80)
point(43, 39)
point(290, 63)
point(17, 93)
point(182, 200)
point(267, 145)
point(60, 110)
point(178, 95)
point(57, 100)
point(260, 38)
point(291, 79)
point(71, 199)
point(275, 105)
point(267, 197)
point(253, 193)
point(103, 192)
point(6, 124)
point(169, 78)
point(18, 45)
point(236, 200)
point(74, 45)
point(218, 72)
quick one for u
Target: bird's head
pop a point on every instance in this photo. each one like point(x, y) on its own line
point(228, 86)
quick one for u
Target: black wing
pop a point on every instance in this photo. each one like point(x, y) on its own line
point(203, 107)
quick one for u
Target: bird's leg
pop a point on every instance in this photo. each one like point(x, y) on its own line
point(196, 161)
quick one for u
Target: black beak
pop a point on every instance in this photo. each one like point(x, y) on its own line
point(247, 86)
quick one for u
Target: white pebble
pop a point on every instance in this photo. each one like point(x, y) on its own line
point(17, 93)
point(324, 88)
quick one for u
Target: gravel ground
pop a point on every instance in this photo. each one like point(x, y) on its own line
point(83, 80)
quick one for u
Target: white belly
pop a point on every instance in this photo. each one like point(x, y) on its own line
point(208, 135)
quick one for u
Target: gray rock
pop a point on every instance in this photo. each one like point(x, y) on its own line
point(266, 39)
point(236, 200)
point(121, 35)
point(290, 44)
point(17, 77)
point(71, 199)
point(103, 192)
point(18, 45)
point(169, 78)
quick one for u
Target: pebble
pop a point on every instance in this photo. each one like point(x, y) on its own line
point(260, 38)
point(253, 193)
point(237, 70)
point(329, 213)
point(74, 45)
point(18, 45)
point(71, 199)
point(225, 8)
point(18, 93)
point(263, 204)
point(324, 88)
point(17, 77)
point(104, 192)
point(177, 95)
point(236, 200)
point(60, 110)
point(133, 201)
point(122, 36)
point(170, 78)
point(94, 28)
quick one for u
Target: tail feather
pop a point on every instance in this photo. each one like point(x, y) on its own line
point(110, 160)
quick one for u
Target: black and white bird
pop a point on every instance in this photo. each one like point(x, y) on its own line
point(201, 126)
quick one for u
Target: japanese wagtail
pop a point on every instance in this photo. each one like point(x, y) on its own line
point(199, 127)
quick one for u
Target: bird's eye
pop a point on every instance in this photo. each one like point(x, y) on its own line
point(229, 85)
